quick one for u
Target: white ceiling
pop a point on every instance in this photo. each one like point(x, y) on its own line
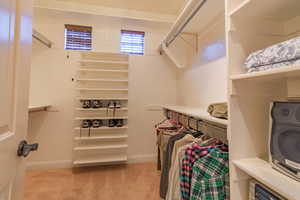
point(172, 7)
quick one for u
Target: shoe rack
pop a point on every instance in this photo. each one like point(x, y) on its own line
point(101, 121)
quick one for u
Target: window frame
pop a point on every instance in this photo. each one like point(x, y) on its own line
point(83, 44)
point(141, 33)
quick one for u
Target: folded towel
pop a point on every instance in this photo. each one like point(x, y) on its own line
point(279, 53)
point(218, 110)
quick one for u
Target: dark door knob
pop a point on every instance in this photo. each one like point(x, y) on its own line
point(25, 148)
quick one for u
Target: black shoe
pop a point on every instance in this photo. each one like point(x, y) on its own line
point(86, 104)
point(111, 123)
point(119, 123)
point(97, 123)
point(96, 104)
point(86, 123)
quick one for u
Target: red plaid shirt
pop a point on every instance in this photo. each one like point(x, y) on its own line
point(192, 154)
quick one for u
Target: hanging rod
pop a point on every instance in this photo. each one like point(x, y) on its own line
point(41, 38)
point(178, 28)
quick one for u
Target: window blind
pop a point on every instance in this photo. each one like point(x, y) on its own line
point(78, 37)
point(132, 42)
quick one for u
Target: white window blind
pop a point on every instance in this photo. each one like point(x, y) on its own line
point(78, 37)
point(132, 42)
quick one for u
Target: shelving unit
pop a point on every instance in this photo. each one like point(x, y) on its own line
point(38, 108)
point(104, 77)
point(252, 25)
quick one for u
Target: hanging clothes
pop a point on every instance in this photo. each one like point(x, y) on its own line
point(210, 177)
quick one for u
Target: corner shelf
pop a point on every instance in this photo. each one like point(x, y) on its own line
point(103, 89)
point(38, 108)
point(100, 109)
point(120, 159)
point(103, 118)
point(104, 62)
point(103, 128)
point(102, 70)
point(263, 172)
point(102, 147)
point(103, 98)
point(101, 138)
point(101, 80)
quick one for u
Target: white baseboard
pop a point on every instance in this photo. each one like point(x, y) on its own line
point(142, 158)
point(44, 165)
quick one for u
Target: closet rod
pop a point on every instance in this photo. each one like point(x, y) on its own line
point(172, 36)
point(41, 38)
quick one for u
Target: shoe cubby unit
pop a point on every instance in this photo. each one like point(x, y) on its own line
point(101, 109)
point(252, 25)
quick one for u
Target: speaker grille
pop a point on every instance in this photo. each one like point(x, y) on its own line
point(289, 145)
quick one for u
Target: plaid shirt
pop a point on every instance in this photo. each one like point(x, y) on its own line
point(210, 177)
point(192, 154)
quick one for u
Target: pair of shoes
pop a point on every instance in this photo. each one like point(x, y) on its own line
point(114, 104)
point(91, 104)
point(96, 123)
point(115, 123)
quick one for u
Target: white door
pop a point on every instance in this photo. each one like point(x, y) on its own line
point(15, 52)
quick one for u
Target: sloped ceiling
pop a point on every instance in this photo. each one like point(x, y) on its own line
point(172, 7)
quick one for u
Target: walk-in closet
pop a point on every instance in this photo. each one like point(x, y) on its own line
point(156, 100)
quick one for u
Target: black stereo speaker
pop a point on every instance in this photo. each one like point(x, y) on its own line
point(285, 138)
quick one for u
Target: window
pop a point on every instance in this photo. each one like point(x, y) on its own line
point(78, 37)
point(132, 42)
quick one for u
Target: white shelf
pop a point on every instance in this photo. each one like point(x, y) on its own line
point(277, 73)
point(101, 109)
point(101, 138)
point(104, 62)
point(103, 98)
point(100, 80)
point(103, 128)
point(101, 89)
point(103, 118)
point(87, 148)
point(263, 172)
point(279, 10)
point(102, 70)
point(100, 161)
point(197, 113)
point(38, 108)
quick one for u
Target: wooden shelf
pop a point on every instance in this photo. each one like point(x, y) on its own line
point(101, 138)
point(263, 172)
point(102, 70)
point(100, 161)
point(103, 98)
point(102, 89)
point(101, 109)
point(87, 148)
point(197, 113)
point(100, 80)
point(279, 10)
point(103, 118)
point(277, 73)
point(104, 62)
point(38, 108)
point(103, 128)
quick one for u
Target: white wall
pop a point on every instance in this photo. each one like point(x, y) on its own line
point(152, 81)
point(206, 81)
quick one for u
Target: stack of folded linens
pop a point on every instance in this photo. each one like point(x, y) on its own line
point(279, 55)
point(218, 110)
